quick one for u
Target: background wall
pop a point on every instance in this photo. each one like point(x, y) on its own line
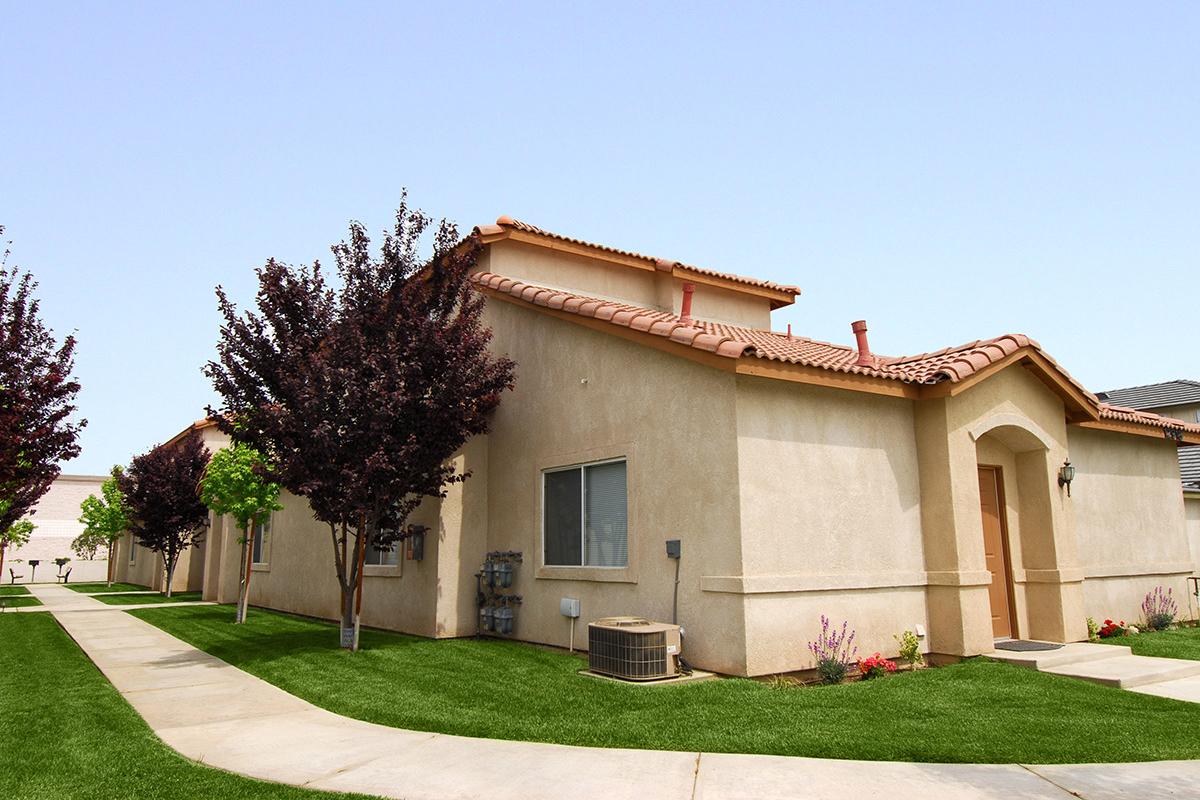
point(1129, 518)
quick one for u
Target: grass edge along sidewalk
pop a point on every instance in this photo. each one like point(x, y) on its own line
point(978, 711)
point(67, 732)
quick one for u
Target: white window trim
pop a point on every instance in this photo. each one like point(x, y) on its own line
point(582, 466)
point(132, 550)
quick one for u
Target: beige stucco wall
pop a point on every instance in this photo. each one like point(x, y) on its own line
point(147, 569)
point(299, 576)
point(1192, 513)
point(831, 521)
point(1129, 517)
point(583, 396)
point(644, 287)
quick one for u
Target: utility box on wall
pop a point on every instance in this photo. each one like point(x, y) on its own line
point(569, 607)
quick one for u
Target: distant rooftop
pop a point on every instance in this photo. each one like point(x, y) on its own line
point(1155, 395)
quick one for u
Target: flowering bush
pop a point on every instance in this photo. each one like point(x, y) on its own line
point(834, 651)
point(1159, 609)
point(910, 647)
point(875, 666)
point(1110, 629)
point(1093, 630)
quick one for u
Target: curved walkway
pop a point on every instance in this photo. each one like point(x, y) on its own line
point(218, 715)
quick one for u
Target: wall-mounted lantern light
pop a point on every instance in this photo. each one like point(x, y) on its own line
point(1066, 474)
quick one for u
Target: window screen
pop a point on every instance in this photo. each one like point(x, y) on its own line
point(386, 556)
point(585, 516)
point(563, 518)
point(261, 531)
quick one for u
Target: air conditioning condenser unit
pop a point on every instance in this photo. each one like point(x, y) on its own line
point(633, 648)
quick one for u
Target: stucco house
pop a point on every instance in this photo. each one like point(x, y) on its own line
point(655, 402)
point(1179, 399)
point(136, 564)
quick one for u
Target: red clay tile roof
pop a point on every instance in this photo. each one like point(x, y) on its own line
point(506, 222)
point(1124, 414)
point(952, 364)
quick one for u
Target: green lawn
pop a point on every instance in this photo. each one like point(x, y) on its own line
point(100, 586)
point(979, 710)
point(8, 591)
point(16, 601)
point(66, 732)
point(1181, 643)
point(134, 599)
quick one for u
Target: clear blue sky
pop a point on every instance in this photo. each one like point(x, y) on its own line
point(947, 171)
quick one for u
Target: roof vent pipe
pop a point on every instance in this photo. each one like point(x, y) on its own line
point(865, 359)
point(685, 314)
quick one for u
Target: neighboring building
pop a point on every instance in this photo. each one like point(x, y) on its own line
point(1179, 399)
point(56, 524)
point(653, 402)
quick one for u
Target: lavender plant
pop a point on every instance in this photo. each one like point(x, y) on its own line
point(1159, 609)
point(834, 651)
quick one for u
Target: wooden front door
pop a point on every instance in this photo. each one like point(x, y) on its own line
point(994, 549)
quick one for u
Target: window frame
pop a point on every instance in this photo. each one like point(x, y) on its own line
point(583, 466)
point(264, 544)
point(395, 551)
point(132, 549)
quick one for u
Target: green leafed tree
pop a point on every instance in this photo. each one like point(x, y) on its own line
point(105, 520)
point(237, 483)
point(14, 535)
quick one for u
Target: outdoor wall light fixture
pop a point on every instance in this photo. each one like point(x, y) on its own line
point(1066, 474)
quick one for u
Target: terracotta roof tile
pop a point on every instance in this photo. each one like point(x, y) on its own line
point(506, 222)
point(1124, 414)
point(655, 323)
point(952, 364)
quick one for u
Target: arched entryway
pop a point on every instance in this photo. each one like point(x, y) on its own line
point(1021, 530)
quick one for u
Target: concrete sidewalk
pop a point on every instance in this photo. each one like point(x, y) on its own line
point(218, 715)
point(1116, 666)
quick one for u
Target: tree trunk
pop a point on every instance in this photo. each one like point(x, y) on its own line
point(247, 570)
point(347, 629)
point(358, 590)
point(111, 544)
point(350, 589)
point(169, 563)
point(3, 547)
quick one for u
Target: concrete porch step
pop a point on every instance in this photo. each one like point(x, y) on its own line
point(1074, 653)
point(1128, 671)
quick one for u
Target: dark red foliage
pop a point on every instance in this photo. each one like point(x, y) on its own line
point(162, 490)
point(37, 399)
point(360, 396)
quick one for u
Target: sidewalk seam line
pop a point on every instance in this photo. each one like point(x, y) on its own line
point(1028, 768)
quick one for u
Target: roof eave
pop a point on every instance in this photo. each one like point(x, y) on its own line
point(490, 234)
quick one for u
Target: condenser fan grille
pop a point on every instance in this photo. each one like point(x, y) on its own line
point(627, 654)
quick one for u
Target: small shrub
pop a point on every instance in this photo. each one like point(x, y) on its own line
point(910, 647)
point(1110, 629)
point(834, 651)
point(1093, 630)
point(875, 666)
point(1159, 609)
